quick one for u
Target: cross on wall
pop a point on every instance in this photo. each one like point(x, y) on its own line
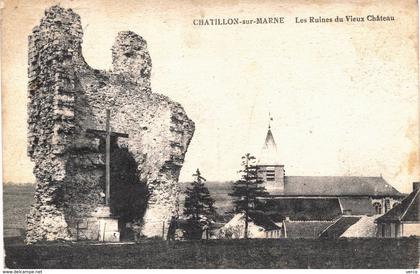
point(107, 134)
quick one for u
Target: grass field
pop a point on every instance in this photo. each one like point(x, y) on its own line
point(253, 253)
point(256, 253)
point(17, 200)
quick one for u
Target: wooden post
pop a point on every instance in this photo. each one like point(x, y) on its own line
point(107, 158)
point(107, 133)
point(103, 234)
point(163, 230)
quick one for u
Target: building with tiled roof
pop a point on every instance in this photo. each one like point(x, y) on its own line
point(404, 219)
point(259, 226)
point(304, 229)
point(316, 206)
point(337, 186)
point(357, 195)
point(336, 229)
point(364, 228)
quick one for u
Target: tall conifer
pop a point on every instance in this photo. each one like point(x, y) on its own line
point(248, 190)
point(198, 207)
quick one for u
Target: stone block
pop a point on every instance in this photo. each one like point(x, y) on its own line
point(102, 212)
point(108, 230)
point(111, 236)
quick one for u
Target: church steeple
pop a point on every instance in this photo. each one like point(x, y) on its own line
point(269, 153)
point(271, 169)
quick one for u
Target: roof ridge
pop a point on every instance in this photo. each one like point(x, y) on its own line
point(338, 185)
point(409, 205)
point(341, 206)
point(339, 218)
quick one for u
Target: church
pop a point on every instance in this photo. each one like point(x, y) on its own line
point(322, 206)
point(357, 195)
point(318, 206)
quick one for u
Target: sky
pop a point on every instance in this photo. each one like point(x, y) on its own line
point(343, 96)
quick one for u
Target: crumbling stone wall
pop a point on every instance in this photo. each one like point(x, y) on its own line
point(67, 97)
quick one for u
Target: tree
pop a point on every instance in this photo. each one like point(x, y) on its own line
point(248, 190)
point(198, 207)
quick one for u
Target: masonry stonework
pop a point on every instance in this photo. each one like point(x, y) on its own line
point(67, 97)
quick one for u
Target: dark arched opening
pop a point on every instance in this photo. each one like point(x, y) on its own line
point(128, 195)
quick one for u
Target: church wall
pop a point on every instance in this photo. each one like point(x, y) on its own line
point(387, 203)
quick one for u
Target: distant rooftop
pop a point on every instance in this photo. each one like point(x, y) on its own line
point(309, 230)
point(339, 227)
point(262, 220)
point(336, 186)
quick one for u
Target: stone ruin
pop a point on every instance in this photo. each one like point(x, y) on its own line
point(67, 97)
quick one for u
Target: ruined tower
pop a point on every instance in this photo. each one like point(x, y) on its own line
point(67, 97)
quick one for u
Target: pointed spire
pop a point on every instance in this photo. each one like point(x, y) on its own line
point(269, 154)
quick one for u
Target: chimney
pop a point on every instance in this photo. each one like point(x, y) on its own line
point(416, 186)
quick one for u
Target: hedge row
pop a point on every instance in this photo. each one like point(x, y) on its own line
point(253, 253)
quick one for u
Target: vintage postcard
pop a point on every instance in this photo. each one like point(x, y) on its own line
point(210, 134)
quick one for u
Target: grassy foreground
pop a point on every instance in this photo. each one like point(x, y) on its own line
point(253, 253)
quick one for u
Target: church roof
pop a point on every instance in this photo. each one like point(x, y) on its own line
point(357, 205)
point(302, 209)
point(269, 154)
point(337, 186)
point(408, 210)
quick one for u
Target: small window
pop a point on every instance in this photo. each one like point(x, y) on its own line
point(378, 208)
point(387, 205)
